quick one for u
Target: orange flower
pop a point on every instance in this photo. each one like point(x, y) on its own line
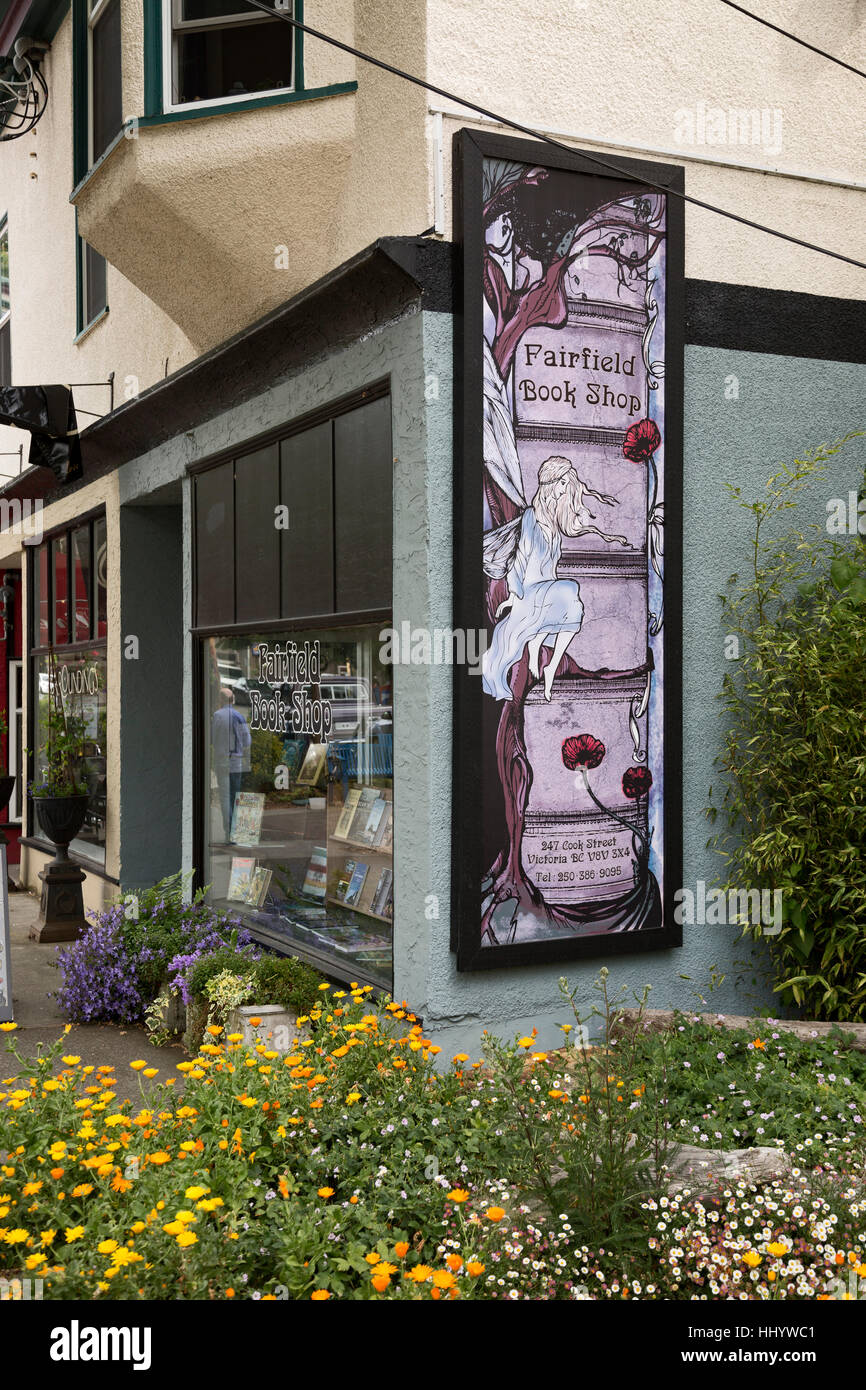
point(401, 1249)
point(420, 1274)
point(57, 1172)
point(458, 1194)
point(160, 1157)
point(318, 1295)
point(454, 1262)
point(381, 1282)
point(474, 1268)
point(230, 1293)
point(326, 1192)
point(494, 1213)
point(284, 1187)
point(759, 1044)
point(443, 1279)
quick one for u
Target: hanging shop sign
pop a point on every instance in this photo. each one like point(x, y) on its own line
point(567, 799)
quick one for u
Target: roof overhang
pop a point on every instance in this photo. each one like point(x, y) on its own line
point(387, 278)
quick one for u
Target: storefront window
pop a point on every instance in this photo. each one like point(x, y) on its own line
point(68, 619)
point(82, 689)
point(298, 795)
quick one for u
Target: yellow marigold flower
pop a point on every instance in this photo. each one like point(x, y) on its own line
point(524, 1042)
point(494, 1213)
point(18, 1236)
point(461, 1057)
point(752, 1259)
point(73, 1233)
point(556, 1095)
point(34, 1261)
point(420, 1274)
point(187, 1238)
point(352, 1097)
point(385, 1268)
point(122, 1257)
point(8, 1027)
point(209, 1204)
point(458, 1194)
point(51, 1085)
point(149, 1072)
point(174, 1228)
point(319, 1295)
point(373, 1258)
point(443, 1279)
point(107, 1247)
point(138, 1065)
point(83, 1189)
point(159, 1157)
point(326, 1192)
point(193, 1193)
point(137, 1227)
point(776, 1247)
point(47, 1236)
point(31, 1188)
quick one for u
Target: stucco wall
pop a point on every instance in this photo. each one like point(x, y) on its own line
point(628, 73)
point(786, 405)
point(135, 338)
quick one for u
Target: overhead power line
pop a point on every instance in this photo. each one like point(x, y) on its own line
point(786, 34)
point(547, 139)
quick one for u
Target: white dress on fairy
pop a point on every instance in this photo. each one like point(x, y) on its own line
point(542, 606)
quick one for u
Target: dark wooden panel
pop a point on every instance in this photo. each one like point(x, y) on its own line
point(306, 467)
point(214, 546)
point(257, 540)
point(363, 469)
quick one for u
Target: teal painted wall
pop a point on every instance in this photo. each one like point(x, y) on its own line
point(785, 406)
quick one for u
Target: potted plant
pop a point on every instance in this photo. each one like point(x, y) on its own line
point(61, 797)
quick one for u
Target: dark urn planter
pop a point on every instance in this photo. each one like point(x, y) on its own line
point(61, 907)
point(6, 786)
point(61, 817)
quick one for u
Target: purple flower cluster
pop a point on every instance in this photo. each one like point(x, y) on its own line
point(120, 963)
point(181, 964)
point(98, 983)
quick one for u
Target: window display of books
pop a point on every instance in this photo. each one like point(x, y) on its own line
point(363, 822)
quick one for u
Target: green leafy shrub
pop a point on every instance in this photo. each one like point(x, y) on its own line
point(270, 979)
point(794, 759)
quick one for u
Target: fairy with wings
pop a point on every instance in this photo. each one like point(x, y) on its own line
point(541, 609)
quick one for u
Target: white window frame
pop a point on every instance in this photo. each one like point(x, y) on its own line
point(171, 21)
point(15, 701)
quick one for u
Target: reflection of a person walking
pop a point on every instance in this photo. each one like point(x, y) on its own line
point(230, 740)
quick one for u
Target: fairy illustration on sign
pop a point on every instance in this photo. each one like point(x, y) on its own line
point(560, 249)
point(540, 607)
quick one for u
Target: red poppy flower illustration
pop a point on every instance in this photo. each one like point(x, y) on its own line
point(582, 750)
point(636, 781)
point(641, 441)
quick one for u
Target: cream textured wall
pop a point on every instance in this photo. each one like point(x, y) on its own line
point(135, 339)
point(625, 73)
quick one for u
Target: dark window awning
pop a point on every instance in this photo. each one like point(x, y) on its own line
point(48, 412)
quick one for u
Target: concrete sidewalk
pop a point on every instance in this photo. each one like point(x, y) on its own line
point(35, 978)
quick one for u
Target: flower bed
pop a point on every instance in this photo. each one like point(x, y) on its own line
point(354, 1168)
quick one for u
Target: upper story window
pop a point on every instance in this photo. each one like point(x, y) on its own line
point(104, 75)
point(225, 51)
point(5, 308)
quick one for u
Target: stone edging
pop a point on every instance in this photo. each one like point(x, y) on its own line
point(660, 1020)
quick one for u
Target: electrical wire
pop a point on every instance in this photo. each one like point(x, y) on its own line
point(822, 53)
point(273, 13)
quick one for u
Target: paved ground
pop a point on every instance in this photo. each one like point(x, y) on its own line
point(34, 978)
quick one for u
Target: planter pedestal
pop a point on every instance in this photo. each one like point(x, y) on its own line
point(61, 906)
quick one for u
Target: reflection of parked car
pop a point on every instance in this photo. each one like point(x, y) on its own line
point(234, 678)
point(351, 705)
